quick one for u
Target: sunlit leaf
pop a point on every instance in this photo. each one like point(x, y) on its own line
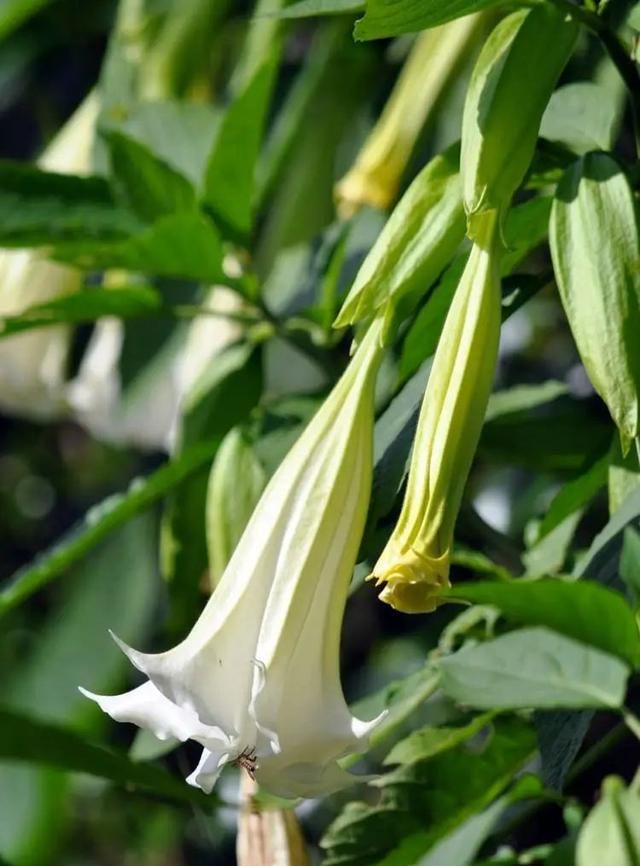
point(534, 667)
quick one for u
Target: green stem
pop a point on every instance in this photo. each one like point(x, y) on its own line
point(597, 751)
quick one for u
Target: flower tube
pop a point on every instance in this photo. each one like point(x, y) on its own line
point(414, 565)
point(257, 680)
point(376, 174)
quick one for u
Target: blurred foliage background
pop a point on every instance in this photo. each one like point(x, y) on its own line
point(167, 80)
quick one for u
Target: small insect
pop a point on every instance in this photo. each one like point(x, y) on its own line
point(248, 761)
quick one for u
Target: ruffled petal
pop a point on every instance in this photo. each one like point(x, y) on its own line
point(148, 708)
point(208, 770)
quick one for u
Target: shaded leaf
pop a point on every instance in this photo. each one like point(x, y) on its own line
point(428, 742)
point(312, 8)
point(561, 733)
point(576, 494)
point(14, 12)
point(147, 184)
point(39, 207)
point(230, 173)
point(27, 739)
point(438, 793)
point(463, 844)
point(183, 245)
point(178, 133)
point(582, 116)
point(87, 306)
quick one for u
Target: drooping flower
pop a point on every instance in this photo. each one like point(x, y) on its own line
point(257, 680)
point(377, 172)
point(414, 565)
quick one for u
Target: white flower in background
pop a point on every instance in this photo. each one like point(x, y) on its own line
point(32, 365)
point(257, 680)
point(148, 417)
point(96, 400)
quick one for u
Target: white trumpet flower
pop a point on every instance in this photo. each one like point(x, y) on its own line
point(257, 680)
point(32, 365)
point(149, 418)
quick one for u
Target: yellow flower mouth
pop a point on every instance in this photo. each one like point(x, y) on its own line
point(414, 583)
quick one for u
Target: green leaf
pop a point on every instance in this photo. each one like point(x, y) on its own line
point(39, 207)
point(562, 434)
point(15, 12)
point(312, 8)
point(87, 306)
point(45, 682)
point(534, 667)
point(461, 846)
point(428, 742)
point(425, 800)
point(630, 562)
point(236, 481)
point(602, 560)
point(400, 698)
point(611, 834)
point(549, 553)
point(147, 184)
point(582, 116)
point(595, 250)
point(99, 522)
point(229, 186)
point(561, 734)
point(392, 17)
point(523, 398)
point(576, 494)
point(581, 610)
point(185, 245)
point(624, 475)
point(282, 136)
point(179, 134)
point(25, 739)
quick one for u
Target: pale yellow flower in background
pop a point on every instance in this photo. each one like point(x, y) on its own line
point(33, 365)
point(376, 174)
point(257, 680)
point(414, 565)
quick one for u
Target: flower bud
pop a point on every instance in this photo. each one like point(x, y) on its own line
point(417, 242)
